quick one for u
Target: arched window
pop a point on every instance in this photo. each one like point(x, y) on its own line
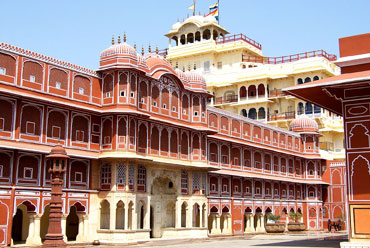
point(242, 93)
point(105, 176)
point(316, 109)
point(244, 113)
point(300, 109)
point(299, 81)
point(197, 36)
point(121, 176)
point(141, 178)
point(308, 108)
point(315, 78)
point(184, 182)
point(196, 182)
point(190, 38)
point(252, 91)
point(307, 80)
point(206, 34)
point(182, 39)
point(261, 113)
point(252, 114)
point(261, 90)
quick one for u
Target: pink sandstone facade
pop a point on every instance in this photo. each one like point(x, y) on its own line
point(148, 158)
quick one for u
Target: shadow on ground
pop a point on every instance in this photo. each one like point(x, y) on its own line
point(334, 243)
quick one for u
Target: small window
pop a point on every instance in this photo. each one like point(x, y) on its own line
point(309, 147)
point(58, 85)
point(107, 95)
point(164, 106)
point(2, 71)
point(310, 172)
point(224, 188)
point(267, 191)
point(155, 104)
point(219, 65)
point(283, 192)
point(122, 93)
point(55, 131)
point(258, 191)
point(213, 187)
point(142, 100)
point(173, 109)
point(79, 135)
point(81, 91)
point(312, 194)
point(247, 190)
point(78, 177)
point(1, 124)
point(236, 188)
point(96, 128)
point(107, 140)
point(195, 113)
point(132, 94)
point(30, 127)
point(28, 173)
point(203, 114)
point(32, 78)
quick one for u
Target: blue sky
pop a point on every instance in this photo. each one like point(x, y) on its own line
point(77, 31)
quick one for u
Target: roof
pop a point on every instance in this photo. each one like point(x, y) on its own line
point(317, 92)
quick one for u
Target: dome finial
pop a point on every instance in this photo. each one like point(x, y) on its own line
point(178, 19)
point(112, 39)
point(135, 45)
point(119, 39)
point(156, 49)
point(124, 37)
point(150, 48)
point(187, 15)
point(200, 13)
point(142, 50)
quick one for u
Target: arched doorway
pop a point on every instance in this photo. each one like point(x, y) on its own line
point(72, 224)
point(163, 207)
point(184, 209)
point(21, 222)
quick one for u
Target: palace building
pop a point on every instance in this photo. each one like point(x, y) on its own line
point(148, 158)
point(245, 82)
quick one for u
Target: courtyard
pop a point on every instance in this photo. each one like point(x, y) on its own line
point(279, 240)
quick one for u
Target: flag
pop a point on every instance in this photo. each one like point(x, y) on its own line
point(191, 7)
point(213, 7)
point(213, 11)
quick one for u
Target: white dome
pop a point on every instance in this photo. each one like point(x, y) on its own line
point(176, 25)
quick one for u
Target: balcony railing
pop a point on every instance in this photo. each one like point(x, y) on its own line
point(282, 116)
point(226, 99)
point(276, 93)
point(237, 37)
point(289, 58)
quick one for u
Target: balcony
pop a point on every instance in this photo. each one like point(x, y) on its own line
point(276, 93)
point(238, 37)
point(289, 58)
point(226, 99)
point(282, 116)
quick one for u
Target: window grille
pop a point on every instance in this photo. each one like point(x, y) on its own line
point(105, 174)
point(196, 181)
point(121, 174)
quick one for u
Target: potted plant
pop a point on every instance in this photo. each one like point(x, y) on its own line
point(295, 225)
point(271, 225)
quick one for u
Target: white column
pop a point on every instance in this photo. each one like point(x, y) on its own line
point(112, 217)
point(134, 217)
point(126, 216)
point(178, 214)
point(201, 224)
point(189, 216)
point(147, 215)
point(34, 230)
point(82, 235)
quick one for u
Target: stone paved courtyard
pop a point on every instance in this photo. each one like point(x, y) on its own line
point(274, 241)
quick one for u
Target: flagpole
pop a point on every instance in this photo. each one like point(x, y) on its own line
point(194, 8)
point(218, 8)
